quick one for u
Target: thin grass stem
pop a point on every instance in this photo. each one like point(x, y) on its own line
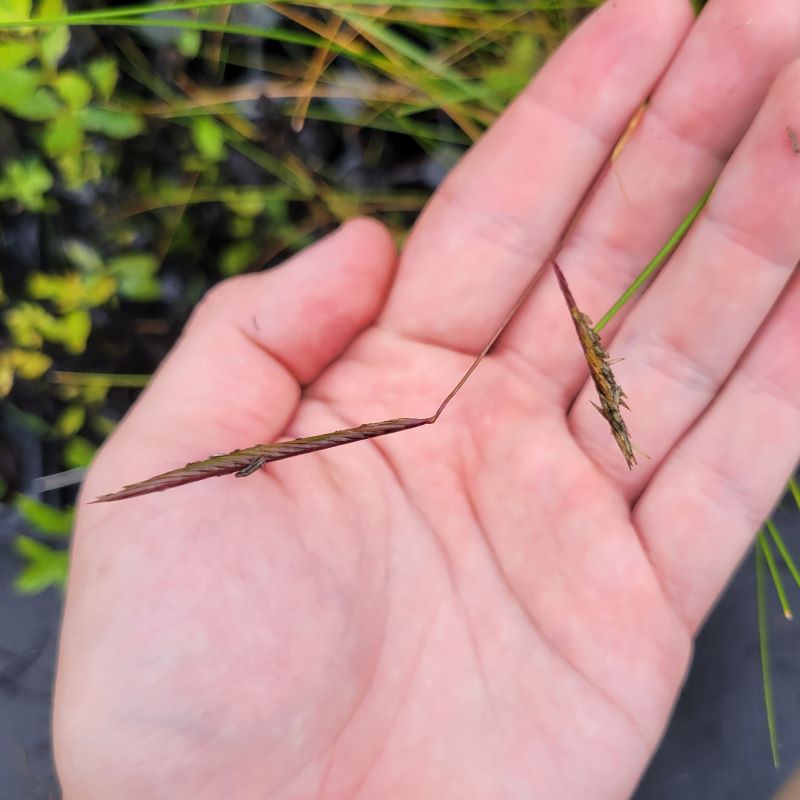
point(782, 549)
point(656, 263)
point(763, 647)
point(775, 575)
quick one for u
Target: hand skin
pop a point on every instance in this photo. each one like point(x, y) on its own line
point(494, 606)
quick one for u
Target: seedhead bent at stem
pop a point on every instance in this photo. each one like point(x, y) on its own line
point(247, 461)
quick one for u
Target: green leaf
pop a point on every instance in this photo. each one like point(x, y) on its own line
point(103, 74)
point(29, 364)
point(28, 321)
point(78, 452)
point(78, 169)
point(26, 182)
point(63, 137)
point(70, 421)
point(76, 327)
point(16, 54)
point(23, 322)
point(15, 9)
point(82, 256)
point(237, 257)
point(44, 518)
point(50, 8)
point(248, 202)
point(115, 124)
point(54, 43)
point(42, 105)
point(209, 138)
point(17, 86)
point(73, 89)
point(72, 290)
point(45, 566)
point(188, 42)
point(6, 376)
point(136, 275)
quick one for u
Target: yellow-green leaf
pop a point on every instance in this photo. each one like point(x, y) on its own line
point(103, 74)
point(237, 257)
point(6, 375)
point(54, 44)
point(115, 124)
point(17, 86)
point(208, 137)
point(73, 89)
point(16, 54)
point(44, 518)
point(40, 106)
point(45, 566)
point(66, 291)
point(77, 326)
point(15, 9)
point(63, 136)
point(70, 421)
point(136, 275)
point(50, 8)
point(72, 290)
point(24, 322)
point(78, 452)
point(29, 364)
point(81, 255)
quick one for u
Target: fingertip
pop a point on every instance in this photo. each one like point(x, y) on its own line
point(372, 231)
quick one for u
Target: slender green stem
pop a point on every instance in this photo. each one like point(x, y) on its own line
point(775, 575)
point(656, 263)
point(278, 34)
point(763, 647)
point(86, 17)
point(785, 554)
point(107, 379)
point(794, 488)
point(162, 8)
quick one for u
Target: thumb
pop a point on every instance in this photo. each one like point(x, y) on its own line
point(234, 378)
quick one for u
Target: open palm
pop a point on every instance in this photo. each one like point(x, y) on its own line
point(494, 606)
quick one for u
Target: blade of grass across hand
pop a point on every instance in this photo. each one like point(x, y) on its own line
point(656, 263)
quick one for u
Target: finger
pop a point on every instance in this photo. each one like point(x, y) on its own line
point(235, 376)
point(696, 117)
point(496, 216)
point(701, 509)
point(685, 336)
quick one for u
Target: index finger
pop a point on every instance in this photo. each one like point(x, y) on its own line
point(497, 215)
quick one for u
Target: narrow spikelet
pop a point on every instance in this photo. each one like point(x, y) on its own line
point(609, 391)
point(245, 462)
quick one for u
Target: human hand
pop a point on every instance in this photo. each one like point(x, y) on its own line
point(494, 606)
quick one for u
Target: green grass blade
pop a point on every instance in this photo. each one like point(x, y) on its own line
point(785, 555)
point(775, 575)
point(656, 263)
point(794, 488)
point(763, 647)
point(414, 55)
point(88, 17)
point(103, 378)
